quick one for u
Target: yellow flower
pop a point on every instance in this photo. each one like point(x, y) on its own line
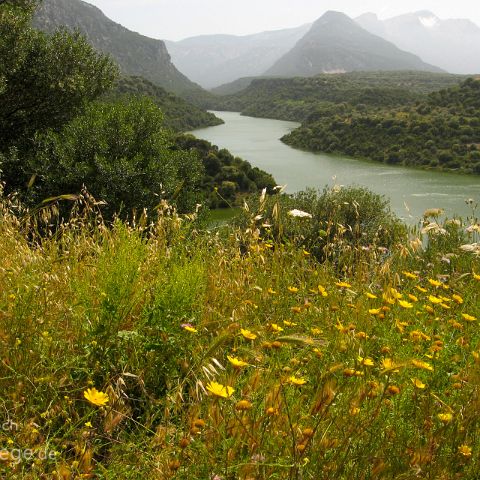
point(410, 275)
point(405, 304)
point(422, 365)
point(417, 383)
point(322, 290)
point(354, 411)
point(389, 299)
point(475, 276)
point(343, 284)
point(434, 283)
point(306, 253)
point(394, 293)
point(412, 297)
point(296, 380)
point(416, 335)
point(457, 299)
point(366, 362)
point(289, 324)
point(99, 399)
point(421, 289)
point(271, 291)
point(389, 364)
point(316, 331)
point(276, 328)
point(465, 450)
point(445, 417)
point(434, 300)
point(248, 334)
point(88, 424)
point(243, 405)
point(293, 289)
point(190, 329)
point(375, 311)
point(219, 390)
point(468, 318)
point(371, 295)
point(393, 390)
point(236, 362)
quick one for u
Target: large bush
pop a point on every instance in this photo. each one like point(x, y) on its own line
point(123, 154)
point(44, 82)
point(339, 220)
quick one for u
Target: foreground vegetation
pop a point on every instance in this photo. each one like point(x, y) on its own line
point(160, 350)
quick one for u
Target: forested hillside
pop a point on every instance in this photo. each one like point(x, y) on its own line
point(297, 98)
point(179, 114)
point(442, 131)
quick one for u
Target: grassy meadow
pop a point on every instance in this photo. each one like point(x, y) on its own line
point(157, 349)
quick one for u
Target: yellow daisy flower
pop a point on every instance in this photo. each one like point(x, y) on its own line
point(296, 380)
point(418, 383)
point(248, 334)
point(465, 450)
point(236, 362)
point(219, 390)
point(405, 304)
point(99, 399)
point(421, 364)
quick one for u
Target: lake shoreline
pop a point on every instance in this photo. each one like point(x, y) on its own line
point(410, 190)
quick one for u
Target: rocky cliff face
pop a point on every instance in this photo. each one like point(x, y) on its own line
point(135, 53)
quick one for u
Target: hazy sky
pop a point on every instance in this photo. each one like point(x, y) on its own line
point(177, 19)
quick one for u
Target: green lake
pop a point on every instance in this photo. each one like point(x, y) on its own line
point(411, 191)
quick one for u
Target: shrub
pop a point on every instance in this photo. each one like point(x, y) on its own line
point(122, 153)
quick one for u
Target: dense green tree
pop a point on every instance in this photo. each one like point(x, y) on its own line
point(44, 80)
point(122, 153)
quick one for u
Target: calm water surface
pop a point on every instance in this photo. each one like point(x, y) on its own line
point(410, 191)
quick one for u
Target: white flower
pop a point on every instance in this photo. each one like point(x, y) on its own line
point(299, 213)
point(473, 228)
point(471, 248)
point(434, 228)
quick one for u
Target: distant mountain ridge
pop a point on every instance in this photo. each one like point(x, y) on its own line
point(135, 53)
point(337, 44)
point(452, 44)
point(212, 60)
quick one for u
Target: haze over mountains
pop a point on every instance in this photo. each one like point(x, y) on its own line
point(332, 44)
point(453, 44)
point(336, 44)
point(213, 60)
point(135, 53)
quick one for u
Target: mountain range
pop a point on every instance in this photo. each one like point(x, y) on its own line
point(336, 44)
point(134, 53)
point(453, 44)
point(212, 60)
